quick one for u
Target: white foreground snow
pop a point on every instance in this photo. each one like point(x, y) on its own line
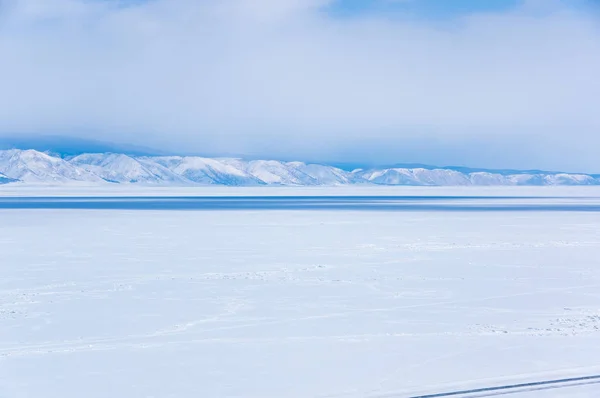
point(262, 304)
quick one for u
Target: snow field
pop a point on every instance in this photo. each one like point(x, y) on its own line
point(294, 304)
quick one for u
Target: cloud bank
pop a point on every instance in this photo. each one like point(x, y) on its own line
point(289, 79)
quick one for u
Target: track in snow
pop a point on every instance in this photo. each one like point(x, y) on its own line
point(517, 388)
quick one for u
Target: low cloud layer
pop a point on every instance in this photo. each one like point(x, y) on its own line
point(288, 79)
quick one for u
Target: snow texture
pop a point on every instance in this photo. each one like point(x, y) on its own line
point(295, 303)
point(33, 167)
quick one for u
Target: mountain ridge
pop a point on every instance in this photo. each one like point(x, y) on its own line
point(34, 167)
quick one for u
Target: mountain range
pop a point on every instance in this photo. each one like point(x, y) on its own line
point(30, 166)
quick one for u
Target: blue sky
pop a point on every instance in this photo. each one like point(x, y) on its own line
point(444, 9)
point(422, 8)
point(482, 83)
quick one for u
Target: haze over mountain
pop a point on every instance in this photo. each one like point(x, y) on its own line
point(65, 145)
point(34, 167)
point(491, 83)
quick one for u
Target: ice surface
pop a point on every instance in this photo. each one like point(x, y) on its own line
point(295, 303)
point(587, 192)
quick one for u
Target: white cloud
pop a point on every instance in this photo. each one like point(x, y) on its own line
point(282, 77)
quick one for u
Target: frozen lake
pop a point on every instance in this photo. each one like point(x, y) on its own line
point(327, 203)
point(322, 298)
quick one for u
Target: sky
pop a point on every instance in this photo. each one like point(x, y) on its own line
point(494, 83)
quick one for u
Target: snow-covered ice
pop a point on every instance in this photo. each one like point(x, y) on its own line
point(114, 303)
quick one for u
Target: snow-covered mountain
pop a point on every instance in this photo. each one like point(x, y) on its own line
point(5, 179)
point(450, 177)
point(37, 167)
point(33, 167)
point(119, 168)
point(199, 170)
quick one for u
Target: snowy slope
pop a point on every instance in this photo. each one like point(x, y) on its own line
point(280, 173)
point(449, 177)
point(206, 170)
point(294, 173)
point(125, 169)
point(418, 176)
point(31, 166)
point(37, 167)
point(326, 175)
point(5, 179)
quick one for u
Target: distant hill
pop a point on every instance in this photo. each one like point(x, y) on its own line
point(30, 166)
